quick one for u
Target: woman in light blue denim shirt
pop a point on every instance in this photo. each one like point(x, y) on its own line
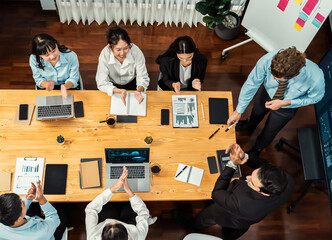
point(53, 65)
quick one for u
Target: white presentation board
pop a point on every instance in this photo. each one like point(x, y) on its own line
point(276, 24)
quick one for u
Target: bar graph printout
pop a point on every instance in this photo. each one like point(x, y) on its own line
point(27, 170)
point(184, 109)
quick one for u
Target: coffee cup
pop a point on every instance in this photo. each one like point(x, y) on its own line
point(155, 168)
point(110, 122)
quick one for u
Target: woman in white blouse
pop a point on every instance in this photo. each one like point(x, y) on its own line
point(121, 66)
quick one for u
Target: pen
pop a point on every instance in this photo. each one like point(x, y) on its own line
point(102, 121)
point(181, 171)
point(151, 179)
point(203, 111)
point(229, 127)
point(214, 133)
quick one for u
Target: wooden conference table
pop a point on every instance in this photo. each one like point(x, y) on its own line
point(87, 138)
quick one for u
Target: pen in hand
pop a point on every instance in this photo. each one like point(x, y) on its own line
point(214, 133)
point(181, 171)
point(226, 130)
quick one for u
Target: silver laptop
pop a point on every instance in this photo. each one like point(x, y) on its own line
point(54, 107)
point(137, 162)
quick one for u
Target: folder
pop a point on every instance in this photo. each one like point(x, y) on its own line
point(218, 110)
point(90, 176)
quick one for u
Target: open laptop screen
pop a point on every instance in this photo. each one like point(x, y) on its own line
point(128, 155)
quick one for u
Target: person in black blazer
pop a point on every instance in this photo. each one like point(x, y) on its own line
point(182, 66)
point(241, 203)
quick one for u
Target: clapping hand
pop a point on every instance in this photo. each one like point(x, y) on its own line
point(50, 85)
point(177, 87)
point(197, 84)
point(123, 96)
point(139, 97)
point(63, 91)
point(120, 181)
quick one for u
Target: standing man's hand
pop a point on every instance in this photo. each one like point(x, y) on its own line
point(197, 84)
point(234, 118)
point(276, 104)
point(176, 86)
point(236, 154)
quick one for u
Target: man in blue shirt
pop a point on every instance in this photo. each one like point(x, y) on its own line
point(287, 81)
point(16, 225)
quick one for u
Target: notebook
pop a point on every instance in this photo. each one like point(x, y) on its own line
point(55, 179)
point(137, 162)
point(218, 110)
point(5, 181)
point(190, 174)
point(132, 108)
point(90, 174)
point(54, 107)
point(100, 169)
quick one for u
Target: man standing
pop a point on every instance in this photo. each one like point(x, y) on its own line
point(240, 203)
point(289, 81)
point(16, 225)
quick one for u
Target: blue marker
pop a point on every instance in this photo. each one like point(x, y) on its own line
point(229, 127)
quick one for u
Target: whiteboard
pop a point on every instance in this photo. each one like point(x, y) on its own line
point(276, 24)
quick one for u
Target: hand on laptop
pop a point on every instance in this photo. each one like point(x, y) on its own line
point(63, 91)
point(139, 97)
point(50, 85)
point(120, 181)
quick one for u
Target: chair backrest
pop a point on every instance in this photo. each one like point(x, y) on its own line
point(159, 77)
point(199, 236)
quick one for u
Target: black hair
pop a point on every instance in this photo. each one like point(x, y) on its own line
point(273, 179)
point(114, 232)
point(44, 43)
point(183, 44)
point(115, 34)
point(10, 208)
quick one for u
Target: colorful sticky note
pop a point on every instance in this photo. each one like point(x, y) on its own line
point(300, 22)
point(297, 27)
point(309, 6)
point(319, 17)
point(303, 16)
point(282, 4)
point(316, 23)
point(298, 1)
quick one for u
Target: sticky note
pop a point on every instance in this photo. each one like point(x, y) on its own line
point(298, 1)
point(309, 6)
point(297, 27)
point(303, 16)
point(319, 17)
point(282, 4)
point(316, 23)
point(300, 22)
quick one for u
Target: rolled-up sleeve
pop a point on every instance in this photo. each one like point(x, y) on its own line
point(36, 71)
point(74, 74)
point(142, 76)
point(103, 84)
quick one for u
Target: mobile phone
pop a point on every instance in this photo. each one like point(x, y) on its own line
point(212, 162)
point(23, 112)
point(164, 117)
point(78, 107)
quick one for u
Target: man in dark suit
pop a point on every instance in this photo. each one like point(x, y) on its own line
point(241, 203)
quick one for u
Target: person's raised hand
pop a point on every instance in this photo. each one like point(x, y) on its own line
point(50, 85)
point(127, 187)
point(63, 91)
point(138, 97)
point(40, 194)
point(177, 87)
point(120, 181)
point(236, 154)
point(234, 118)
point(123, 96)
point(197, 84)
point(31, 192)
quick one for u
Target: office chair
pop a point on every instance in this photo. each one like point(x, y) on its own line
point(160, 77)
point(199, 236)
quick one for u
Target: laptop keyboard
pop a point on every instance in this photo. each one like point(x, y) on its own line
point(133, 172)
point(54, 110)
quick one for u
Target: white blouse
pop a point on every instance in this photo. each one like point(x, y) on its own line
point(185, 74)
point(110, 70)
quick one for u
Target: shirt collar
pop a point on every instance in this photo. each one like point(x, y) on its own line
point(129, 58)
point(62, 60)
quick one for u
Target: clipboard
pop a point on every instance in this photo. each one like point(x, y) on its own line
point(27, 122)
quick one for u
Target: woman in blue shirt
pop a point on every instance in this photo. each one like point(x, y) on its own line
point(53, 65)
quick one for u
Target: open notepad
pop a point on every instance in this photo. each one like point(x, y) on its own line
point(132, 108)
point(190, 174)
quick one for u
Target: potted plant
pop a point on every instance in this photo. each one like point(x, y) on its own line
point(60, 139)
point(225, 23)
point(148, 140)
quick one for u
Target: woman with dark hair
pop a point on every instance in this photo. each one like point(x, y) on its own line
point(182, 66)
point(53, 65)
point(121, 66)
